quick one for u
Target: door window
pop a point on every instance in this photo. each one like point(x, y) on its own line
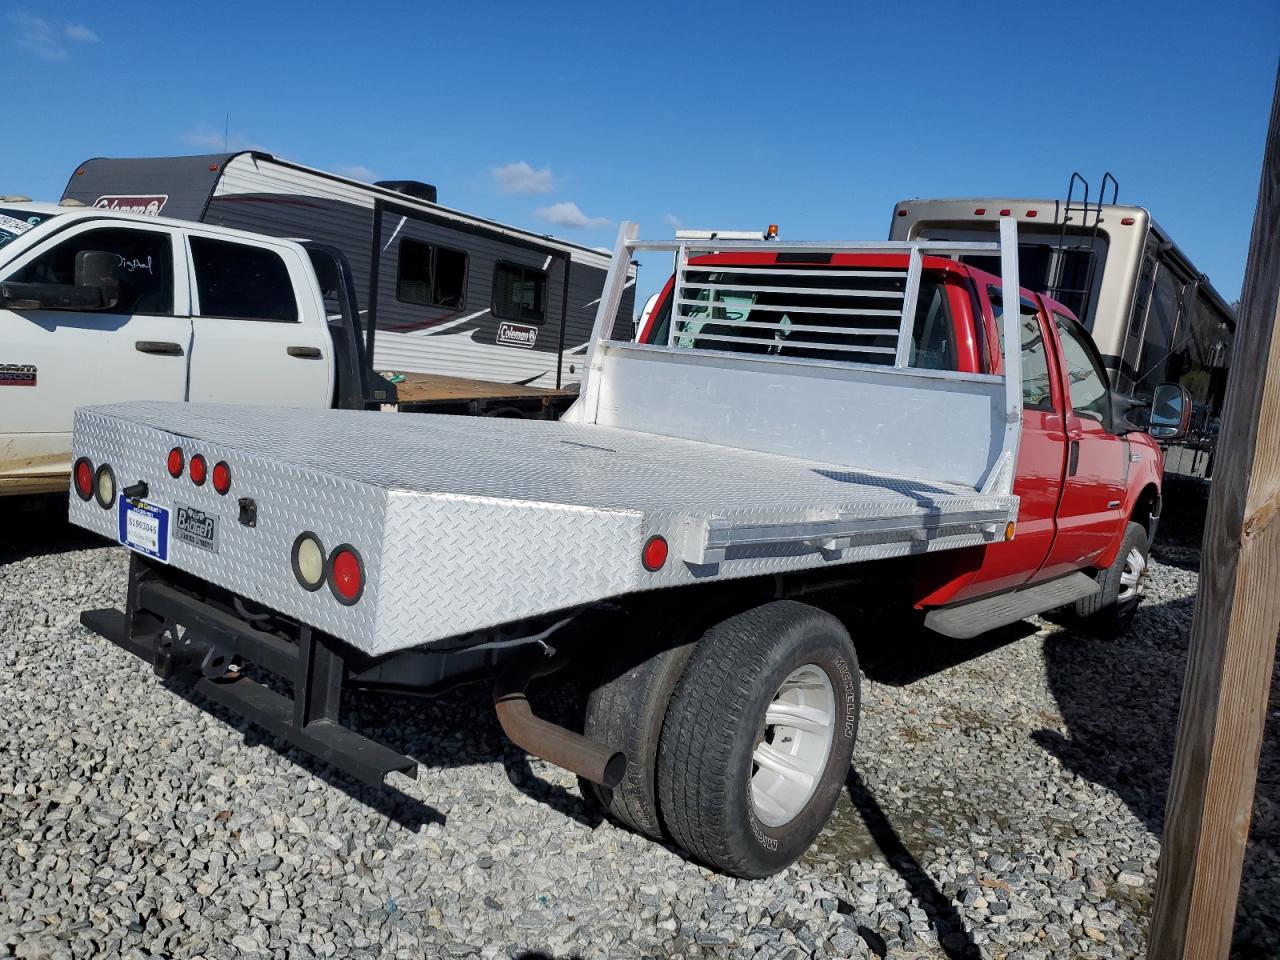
point(144, 267)
point(1087, 383)
point(1036, 392)
point(241, 282)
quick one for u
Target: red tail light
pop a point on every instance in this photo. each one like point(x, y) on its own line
point(221, 477)
point(199, 470)
point(654, 554)
point(82, 475)
point(346, 574)
point(177, 462)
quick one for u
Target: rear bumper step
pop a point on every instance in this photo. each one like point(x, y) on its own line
point(189, 641)
point(965, 620)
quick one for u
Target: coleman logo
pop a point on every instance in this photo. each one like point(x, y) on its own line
point(148, 204)
point(517, 334)
point(197, 528)
point(17, 375)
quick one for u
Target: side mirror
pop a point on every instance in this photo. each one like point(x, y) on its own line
point(100, 269)
point(50, 296)
point(1170, 412)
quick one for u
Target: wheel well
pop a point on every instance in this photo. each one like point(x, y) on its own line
point(1146, 509)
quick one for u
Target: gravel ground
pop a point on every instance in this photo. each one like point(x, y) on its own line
point(1007, 803)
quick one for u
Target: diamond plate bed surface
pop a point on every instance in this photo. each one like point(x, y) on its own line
point(533, 460)
point(465, 523)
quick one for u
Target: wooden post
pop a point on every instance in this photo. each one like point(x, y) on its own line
point(1233, 636)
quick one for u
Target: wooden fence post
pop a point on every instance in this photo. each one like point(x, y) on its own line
point(1233, 636)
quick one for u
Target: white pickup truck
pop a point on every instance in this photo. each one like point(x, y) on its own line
point(99, 306)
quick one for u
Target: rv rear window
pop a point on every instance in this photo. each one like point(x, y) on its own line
point(519, 293)
point(431, 276)
point(240, 282)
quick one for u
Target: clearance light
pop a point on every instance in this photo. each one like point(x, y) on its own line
point(981, 211)
point(902, 213)
point(104, 487)
point(1126, 221)
point(221, 477)
point(346, 574)
point(1032, 213)
point(772, 232)
point(654, 554)
point(199, 470)
point(307, 560)
point(82, 475)
point(1005, 212)
point(1008, 530)
point(176, 463)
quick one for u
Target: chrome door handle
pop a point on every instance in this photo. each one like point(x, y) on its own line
point(305, 353)
point(163, 348)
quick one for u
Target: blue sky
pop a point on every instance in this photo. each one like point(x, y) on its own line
point(566, 118)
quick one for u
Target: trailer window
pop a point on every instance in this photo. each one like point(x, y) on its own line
point(145, 269)
point(431, 276)
point(241, 282)
point(519, 293)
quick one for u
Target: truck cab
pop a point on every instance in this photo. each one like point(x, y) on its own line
point(1084, 471)
point(99, 306)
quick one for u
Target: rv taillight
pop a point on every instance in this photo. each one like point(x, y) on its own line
point(82, 474)
point(199, 470)
point(221, 477)
point(654, 554)
point(346, 574)
point(176, 462)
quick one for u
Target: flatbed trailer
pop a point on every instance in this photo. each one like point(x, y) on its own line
point(348, 546)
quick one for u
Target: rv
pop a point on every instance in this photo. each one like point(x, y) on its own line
point(1154, 317)
point(494, 316)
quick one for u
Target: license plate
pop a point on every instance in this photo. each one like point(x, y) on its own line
point(144, 528)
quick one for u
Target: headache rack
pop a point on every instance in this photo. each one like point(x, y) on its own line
point(795, 304)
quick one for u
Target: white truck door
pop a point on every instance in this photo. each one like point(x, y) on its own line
point(136, 349)
point(258, 326)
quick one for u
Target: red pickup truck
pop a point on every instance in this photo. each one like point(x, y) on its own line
point(1088, 478)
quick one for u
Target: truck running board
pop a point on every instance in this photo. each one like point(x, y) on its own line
point(965, 620)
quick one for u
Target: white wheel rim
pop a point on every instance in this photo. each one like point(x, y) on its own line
point(794, 745)
point(1133, 576)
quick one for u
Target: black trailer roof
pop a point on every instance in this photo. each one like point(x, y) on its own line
point(180, 186)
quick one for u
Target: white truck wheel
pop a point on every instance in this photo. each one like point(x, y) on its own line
point(758, 737)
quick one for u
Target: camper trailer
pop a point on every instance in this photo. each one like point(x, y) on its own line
point(496, 318)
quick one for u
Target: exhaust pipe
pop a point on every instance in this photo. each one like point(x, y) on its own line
point(588, 759)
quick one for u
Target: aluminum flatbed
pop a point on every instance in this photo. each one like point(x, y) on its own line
point(467, 523)
point(741, 463)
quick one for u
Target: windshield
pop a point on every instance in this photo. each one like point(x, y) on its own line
point(14, 223)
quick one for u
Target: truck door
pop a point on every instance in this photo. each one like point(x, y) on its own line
point(136, 349)
point(1041, 460)
point(254, 339)
point(1097, 459)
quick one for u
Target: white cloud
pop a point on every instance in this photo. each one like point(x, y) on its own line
point(519, 177)
point(206, 137)
point(568, 215)
point(48, 39)
point(356, 171)
point(79, 33)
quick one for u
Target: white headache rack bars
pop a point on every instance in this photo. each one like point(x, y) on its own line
point(792, 301)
